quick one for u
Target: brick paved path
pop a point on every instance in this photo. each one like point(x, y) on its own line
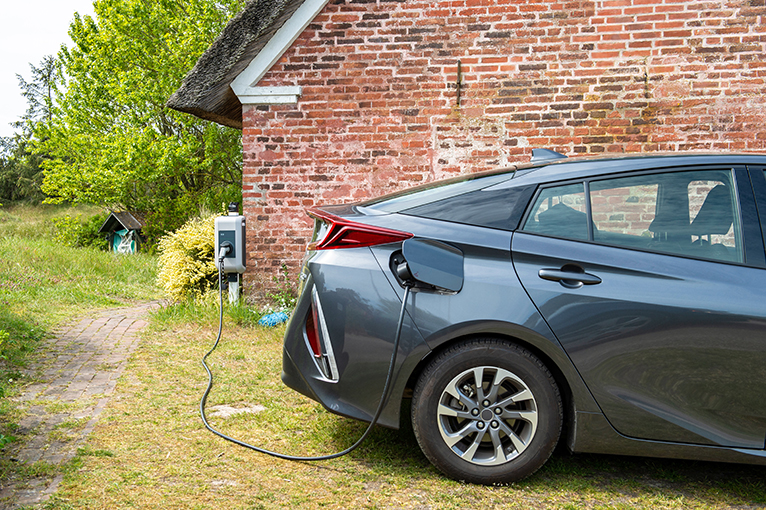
point(76, 377)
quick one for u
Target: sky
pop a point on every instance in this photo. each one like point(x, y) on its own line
point(29, 31)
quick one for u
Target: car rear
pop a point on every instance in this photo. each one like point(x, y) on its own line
point(340, 337)
point(339, 340)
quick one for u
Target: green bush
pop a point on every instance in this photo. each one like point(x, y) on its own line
point(283, 298)
point(67, 230)
point(73, 231)
point(90, 235)
point(187, 260)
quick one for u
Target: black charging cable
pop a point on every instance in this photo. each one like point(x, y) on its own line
point(381, 404)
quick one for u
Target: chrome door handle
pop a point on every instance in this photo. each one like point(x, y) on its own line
point(569, 279)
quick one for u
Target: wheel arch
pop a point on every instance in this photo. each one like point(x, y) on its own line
point(574, 394)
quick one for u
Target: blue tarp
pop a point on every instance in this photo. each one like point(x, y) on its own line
point(273, 319)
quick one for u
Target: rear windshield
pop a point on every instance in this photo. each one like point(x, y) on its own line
point(436, 191)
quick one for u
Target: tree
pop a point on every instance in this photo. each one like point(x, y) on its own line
point(20, 172)
point(39, 92)
point(111, 139)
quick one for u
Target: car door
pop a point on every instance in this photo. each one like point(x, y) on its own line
point(655, 285)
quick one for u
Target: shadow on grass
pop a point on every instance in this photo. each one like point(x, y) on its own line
point(392, 452)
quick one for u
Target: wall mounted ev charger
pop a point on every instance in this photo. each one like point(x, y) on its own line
point(231, 249)
point(230, 236)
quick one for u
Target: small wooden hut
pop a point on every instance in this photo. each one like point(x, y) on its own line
point(124, 230)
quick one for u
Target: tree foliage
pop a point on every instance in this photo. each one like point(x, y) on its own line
point(111, 139)
point(20, 172)
point(39, 92)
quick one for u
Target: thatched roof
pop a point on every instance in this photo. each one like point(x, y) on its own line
point(205, 91)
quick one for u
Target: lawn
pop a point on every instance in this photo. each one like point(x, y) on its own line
point(43, 284)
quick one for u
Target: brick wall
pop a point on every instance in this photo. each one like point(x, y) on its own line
point(380, 111)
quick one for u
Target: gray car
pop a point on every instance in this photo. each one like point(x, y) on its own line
point(615, 305)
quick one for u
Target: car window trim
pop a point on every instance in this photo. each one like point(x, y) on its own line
point(750, 248)
point(588, 212)
point(531, 203)
point(757, 175)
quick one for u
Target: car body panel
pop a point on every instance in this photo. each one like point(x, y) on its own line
point(362, 312)
point(594, 434)
point(672, 349)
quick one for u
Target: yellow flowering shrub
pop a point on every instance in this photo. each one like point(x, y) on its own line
point(187, 260)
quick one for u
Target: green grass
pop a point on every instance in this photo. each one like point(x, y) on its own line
point(207, 310)
point(36, 221)
point(43, 282)
point(161, 456)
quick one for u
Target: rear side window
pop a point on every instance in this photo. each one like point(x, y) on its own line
point(687, 213)
point(690, 213)
point(498, 208)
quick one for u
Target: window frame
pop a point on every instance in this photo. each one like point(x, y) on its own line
point(752, 236)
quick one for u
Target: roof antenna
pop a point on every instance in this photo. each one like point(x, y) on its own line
point(541, 155)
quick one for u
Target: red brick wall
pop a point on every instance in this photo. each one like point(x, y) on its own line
point(379, 107)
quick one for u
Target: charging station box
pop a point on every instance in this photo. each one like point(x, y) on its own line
point(231, 229)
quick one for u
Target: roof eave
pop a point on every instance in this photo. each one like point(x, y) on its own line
point(206, 91)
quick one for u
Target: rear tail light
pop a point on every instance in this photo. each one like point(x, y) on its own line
point(312, 333)
point(318, 339)
point(342, 233)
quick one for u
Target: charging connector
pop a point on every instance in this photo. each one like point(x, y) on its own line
point(226, 248)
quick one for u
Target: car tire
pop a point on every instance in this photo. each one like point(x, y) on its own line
point(478, 433)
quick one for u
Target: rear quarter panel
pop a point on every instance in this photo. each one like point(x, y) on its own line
point(361, 311)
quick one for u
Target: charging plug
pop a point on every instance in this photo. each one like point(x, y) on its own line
point(226, 248)
point(404, 273)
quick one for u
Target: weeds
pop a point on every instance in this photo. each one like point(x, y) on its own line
point(3, 343)
point(284, 297)
point(76, 232)
point(206, 311)
point(37, 221)
point(88, 451)
point(4, 440)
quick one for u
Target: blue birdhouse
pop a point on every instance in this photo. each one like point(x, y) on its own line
point(124, 231)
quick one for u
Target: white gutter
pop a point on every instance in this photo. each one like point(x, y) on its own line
point(244, 85)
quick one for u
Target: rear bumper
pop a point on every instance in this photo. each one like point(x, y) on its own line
point(360, 312)
point(292, 377)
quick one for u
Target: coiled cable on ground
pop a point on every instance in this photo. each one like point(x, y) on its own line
point(378, 411)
